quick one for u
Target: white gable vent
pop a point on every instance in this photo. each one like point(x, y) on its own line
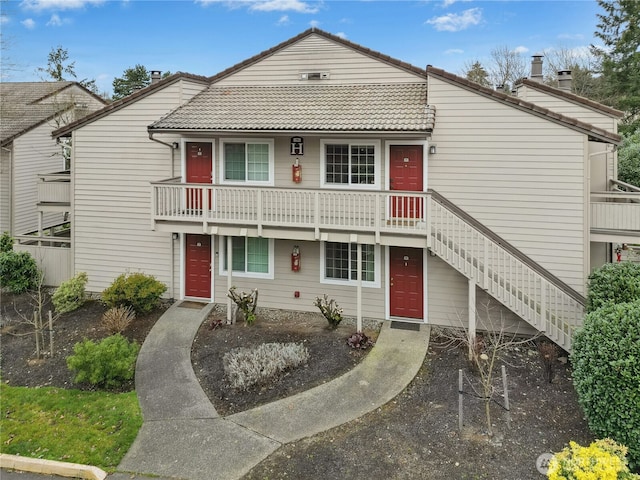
point(315, 76)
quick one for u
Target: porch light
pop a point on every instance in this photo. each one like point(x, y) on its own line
point(432, 149)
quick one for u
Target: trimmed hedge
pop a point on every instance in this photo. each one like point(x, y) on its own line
point(613, 283)
point(606, 374)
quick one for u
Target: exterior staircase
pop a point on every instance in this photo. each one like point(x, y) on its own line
point(527, 289)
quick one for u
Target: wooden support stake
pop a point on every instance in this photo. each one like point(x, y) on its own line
point(35, 324)
point(460, 422)
point(51, 333)
point(506, 396)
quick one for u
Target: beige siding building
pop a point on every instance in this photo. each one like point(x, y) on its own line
point(321, 167)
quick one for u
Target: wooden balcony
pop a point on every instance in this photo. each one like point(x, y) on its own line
point(615, 214)
point(297, 213)
point(54, 191)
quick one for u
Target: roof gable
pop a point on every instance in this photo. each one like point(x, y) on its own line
point(128, 100)
point(515, 102)
point(26, 105)
point(317, 48)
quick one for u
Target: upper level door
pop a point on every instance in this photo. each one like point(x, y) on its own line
point(406, 172)
point(199, 170)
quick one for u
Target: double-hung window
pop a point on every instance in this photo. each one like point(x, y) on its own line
point(250, 257)
point(340, 264)
point(247, 161)
point(353, 164)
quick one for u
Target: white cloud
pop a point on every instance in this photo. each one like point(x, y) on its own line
point(314, 23)
point(283, 20)
point(266, 5)
point(342, 35)
point(448, 3)
point(453, 22)
point(520, 49)
point(29, 23)
point(56, 21)
point(4, 19)
point(453, 51)
point(39, 5)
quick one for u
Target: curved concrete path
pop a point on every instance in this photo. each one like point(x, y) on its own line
point(184, 437)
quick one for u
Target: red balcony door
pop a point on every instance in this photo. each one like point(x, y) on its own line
point(406, 286)
point(199, 170)
point(406, 174)
point(197, 278)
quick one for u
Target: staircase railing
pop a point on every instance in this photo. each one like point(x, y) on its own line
point(526, 288)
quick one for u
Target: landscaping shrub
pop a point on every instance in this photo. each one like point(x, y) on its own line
point(137, 290)
point(330, 309)
point(18, 271)
point(245, 367)
point(108, 363)
point(603, 459)
point(70, 295)
point(246, 303)
point(606, 374)
point(613, 283)
point(359, 341)
point(6, 243)
point(117, 319)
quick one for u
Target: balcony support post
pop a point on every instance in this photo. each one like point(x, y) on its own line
point(229, 276)
point(359, 291)
point(472, 316)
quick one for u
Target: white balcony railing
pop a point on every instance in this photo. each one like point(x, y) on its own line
point(615, 210)
point(520, 284)
point(54, 188)
point(377, 212)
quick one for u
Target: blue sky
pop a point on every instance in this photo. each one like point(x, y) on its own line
point(206, 36)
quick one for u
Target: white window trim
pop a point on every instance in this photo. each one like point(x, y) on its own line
point(269, 141)
point(353, 283)
point(222, 248)
point(351, 186)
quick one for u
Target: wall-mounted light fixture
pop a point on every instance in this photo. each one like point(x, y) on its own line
point(176, 236)
point(176, 145)
point(432, 149)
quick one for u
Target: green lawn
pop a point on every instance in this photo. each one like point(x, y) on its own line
point(93, 428)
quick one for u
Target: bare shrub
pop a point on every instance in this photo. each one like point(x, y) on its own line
point(245, 367)
point(117, 319)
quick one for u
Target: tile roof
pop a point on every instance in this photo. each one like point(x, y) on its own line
point(583, 127)
point(572, 97)
point(397, 107)
point(23, 106)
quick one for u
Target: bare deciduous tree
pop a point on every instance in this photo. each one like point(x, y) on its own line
point(506, 67)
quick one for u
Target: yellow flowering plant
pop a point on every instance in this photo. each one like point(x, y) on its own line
point(602, 460)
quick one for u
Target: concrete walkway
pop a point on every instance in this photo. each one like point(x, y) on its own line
point(184, 437)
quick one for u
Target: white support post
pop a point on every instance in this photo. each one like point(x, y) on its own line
point(359, 290)
point(472, 316)
point(229, 276)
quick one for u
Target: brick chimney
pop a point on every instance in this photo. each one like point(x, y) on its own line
point(564, 80)
point(536, 68)
point(156, 75)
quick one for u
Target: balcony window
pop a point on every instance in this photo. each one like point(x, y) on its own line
point(339, 264)
point(250, 257)
point(248, 161)
point(353, 164)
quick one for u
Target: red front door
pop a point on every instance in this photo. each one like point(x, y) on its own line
point(199, 170)
point(197, 266)
point(406, 174)
point(406, 292)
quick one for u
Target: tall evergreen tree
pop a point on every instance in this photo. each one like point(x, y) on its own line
point(132, 79)
point(478, 74)
point(619, 30)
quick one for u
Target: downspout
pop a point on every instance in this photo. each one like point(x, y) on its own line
point(10, 150)
point(172, 273)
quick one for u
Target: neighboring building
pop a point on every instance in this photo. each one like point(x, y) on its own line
point(29, 112)
point(408, 194)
